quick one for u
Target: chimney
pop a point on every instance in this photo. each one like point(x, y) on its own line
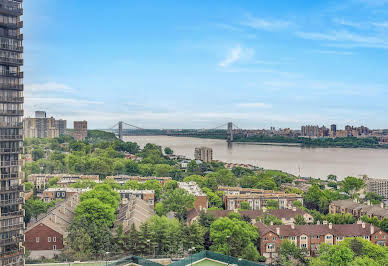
point(359, 222)
point(372, 229)
point(294, 209)
point(292, 226)
point(324, 222)
point(382, 205)
point(278, 231)
point(319, 222)
point(355, 200)
point(330, 226)
point(271, 223)
point(205, 210)
point(368, 202)
point(363, 225)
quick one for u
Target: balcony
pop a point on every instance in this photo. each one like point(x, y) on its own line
point(12, 240)
point(11, 163)
point(12, 112)
point(11, 10)
point(16, 36)
point(13, 62)
point(9, 176)
point(8, 99)
point(11, 150)
point(12, 214)
point(13, 48)
point(11, 125)
point(12, 201)
point(11, 74)
point(9, 25)
point(11, 253)
point(11, 137)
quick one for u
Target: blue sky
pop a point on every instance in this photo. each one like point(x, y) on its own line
point(200, 64)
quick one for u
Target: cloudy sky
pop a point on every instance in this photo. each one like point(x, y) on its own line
point(200, 64)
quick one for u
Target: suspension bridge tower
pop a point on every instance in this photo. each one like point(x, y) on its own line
point(121, 130)
point(230, 131)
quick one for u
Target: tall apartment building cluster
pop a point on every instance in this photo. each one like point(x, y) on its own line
point(11, 136)
point(350, 131)
point(42, 126)
point(204, 154)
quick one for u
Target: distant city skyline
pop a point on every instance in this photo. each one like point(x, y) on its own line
point(199, 64)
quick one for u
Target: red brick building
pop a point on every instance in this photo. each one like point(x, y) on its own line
point(312, 236)
point(200, 202)
point(44, 236)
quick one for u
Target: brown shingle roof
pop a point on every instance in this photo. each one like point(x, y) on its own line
point(346, 230)
point(253, 214)
point(374, 210)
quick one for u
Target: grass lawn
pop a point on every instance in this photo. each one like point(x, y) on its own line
point(207, 262)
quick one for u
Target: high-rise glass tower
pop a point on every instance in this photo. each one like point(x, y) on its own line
point(11, 136)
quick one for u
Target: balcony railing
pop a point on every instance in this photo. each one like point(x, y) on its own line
point(12, 201)
point(12, 214)
point(12, 99)
point(12, 227)
point(16, 252)
point(11, 137)
point(11, 163)
point(11, 61)
point(15, 239)
point(8, 47)
point(11, 74)
point(11, 10)
point(11, 150)
point(12, 112)
point(11, 125)
point(18, 87)
point(11, 25)
point(9, 176)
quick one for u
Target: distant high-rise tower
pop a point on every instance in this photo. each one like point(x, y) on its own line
point(40, 114)
point(80, 130)
point(11, 135)
point(333, 130)
point(204, 154)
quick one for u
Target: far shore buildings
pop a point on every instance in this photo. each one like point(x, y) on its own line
point(204, 154)
point(44, 237)
point(312, 236)
point(257, 198)
point(42, 126)
point(80, 130)
point(200, 202)
point(357, 209)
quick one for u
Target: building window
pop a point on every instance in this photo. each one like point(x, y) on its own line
point(328, 237)
point(274, 238)
point(37, 239)
point(383, 236)
point(265, 238)
point(304, 245)
point(293, 238)
point(376, 237)
point(54, 239)
point(49, 239)
point(303, 237)
point(54, 247)
point(366, 237)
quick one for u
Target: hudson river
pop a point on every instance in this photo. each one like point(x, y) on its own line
point(314, 162)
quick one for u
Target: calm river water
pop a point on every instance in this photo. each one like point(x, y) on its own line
point(314, 162)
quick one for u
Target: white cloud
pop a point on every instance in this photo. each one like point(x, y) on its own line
point(262, 24)
point(50, 86)
point(237, 54)
point(332, 52)
point(381, 24)
point(255, 105)
point(346, 39)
